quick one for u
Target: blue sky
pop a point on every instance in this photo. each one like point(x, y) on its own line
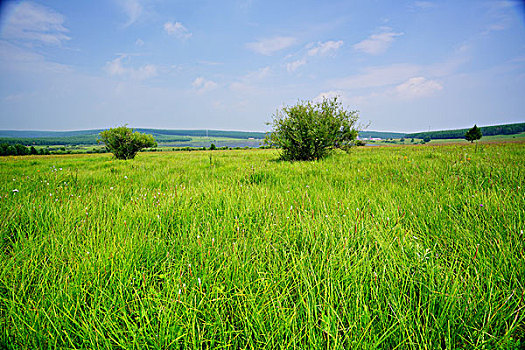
point(405, 65)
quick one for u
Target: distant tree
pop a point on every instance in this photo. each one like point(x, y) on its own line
point(473, 134)
point(33, 150)
point(412, 140)
point(3, 149)
point(11, 151)
point(21, 150)
point(213, 147)
point(124, 143)
point(309, 131)
point(402, 139)
point(426, 139)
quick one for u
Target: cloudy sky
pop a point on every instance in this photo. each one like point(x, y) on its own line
point(405, 65)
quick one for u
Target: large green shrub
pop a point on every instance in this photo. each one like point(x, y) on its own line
point(309, 131)
point(124, 143)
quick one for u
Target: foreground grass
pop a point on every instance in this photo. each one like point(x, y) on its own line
point(408, 247)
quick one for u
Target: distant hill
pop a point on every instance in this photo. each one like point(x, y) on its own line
point(89, 137)
point(38, 134)
point(95, 132)
point(182, 137)
point(504, 129)
point(381, 134)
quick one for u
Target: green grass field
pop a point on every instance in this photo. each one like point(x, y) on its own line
point(386, 247)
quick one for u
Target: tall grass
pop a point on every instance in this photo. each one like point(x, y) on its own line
point(382, 248)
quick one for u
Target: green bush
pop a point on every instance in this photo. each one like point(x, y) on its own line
point(473, 134)
point(309, 131)
point(124, 143)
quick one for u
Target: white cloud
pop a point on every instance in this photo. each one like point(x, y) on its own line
point(377, 43)
point(250, 81)
point(133, 9)
point(326, 48)
point(15, 58)
point(177, 29)
point(145, 72)
point(202, 85)
point(271, 45)
point(424, 4)
point(33, 22)
point(258, 74)
point(378, 76)
point(292, 66)
point(328, 95)
point(501, 13)
point(139, 42)
point(116, 68)
point(417, 87)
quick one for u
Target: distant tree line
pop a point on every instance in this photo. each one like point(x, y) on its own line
point(508, 129)
point(73, 140)
point(20, 150)
point(203, 133)
point(380, 134)
point(155, 132)
point(48, 141)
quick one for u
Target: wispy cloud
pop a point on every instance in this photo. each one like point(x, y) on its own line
point(292, 66)
point(16, 58)
point(417, 87)
point(271, 45)
point(378, 76)
point(133, 10)
point(377, 43)
point(249, 81)
point(202, 85)
point(499, 12)
point(139, 42)
point(177, 29)
point(116, 68)
point(326, 48)
point(258, 74)
point(424, 5)
point(28, 21)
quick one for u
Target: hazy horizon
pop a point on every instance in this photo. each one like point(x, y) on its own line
point(411, 66)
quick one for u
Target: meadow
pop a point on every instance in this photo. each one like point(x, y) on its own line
point(418, 247)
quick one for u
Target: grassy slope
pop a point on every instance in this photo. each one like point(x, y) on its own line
point(493, 138)
point(485, 139)
point(410, 246)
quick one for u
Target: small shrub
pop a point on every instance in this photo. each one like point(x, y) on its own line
point(309, 131)
point(124, 143)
